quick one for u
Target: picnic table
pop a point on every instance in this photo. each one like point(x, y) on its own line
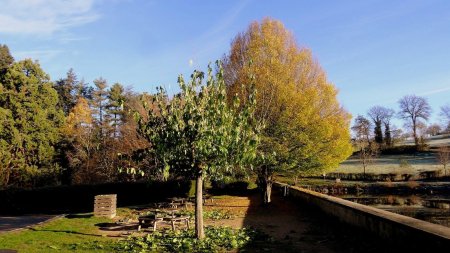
point(163, 216)
point(149, 220)
point(176, 202)
point(205, 198)
point(174, 219)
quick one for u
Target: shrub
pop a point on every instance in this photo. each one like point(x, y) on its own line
point(404, 164)
point(217, 215)
point(400, 150)
point(210, 215)
point(217, 239)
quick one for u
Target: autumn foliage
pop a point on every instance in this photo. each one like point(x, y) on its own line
point(306, 129)
point(88, 134)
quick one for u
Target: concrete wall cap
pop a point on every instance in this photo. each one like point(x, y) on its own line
point(425, 226)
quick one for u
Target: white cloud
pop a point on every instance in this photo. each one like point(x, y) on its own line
point(44, 16)
point(435, 91)
point(41, 55)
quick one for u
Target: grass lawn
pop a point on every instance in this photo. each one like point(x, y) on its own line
point(316, 181)
point(412, 164)
point(76, 234)
point(392, 164)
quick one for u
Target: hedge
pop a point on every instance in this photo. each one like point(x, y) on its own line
point(80, 198)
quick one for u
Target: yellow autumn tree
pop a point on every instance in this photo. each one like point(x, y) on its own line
point(306, 129)
point(80, 132)
point(79, 119)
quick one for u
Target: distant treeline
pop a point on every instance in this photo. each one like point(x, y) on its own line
point(67, 131)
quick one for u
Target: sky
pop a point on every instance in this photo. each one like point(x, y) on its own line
point(374, 51)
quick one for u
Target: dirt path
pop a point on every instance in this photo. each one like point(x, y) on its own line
point(8, 223)
point(293, 227)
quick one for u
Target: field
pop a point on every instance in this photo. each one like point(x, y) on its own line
point(433, 141)
point(399, 164)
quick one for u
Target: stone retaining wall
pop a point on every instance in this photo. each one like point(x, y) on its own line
point(394, 227)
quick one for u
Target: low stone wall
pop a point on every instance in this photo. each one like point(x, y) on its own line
point(394, 227)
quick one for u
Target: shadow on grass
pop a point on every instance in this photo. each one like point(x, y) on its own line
point(8, 251)
point(105, 226)
point(78, 216)
point(64, 231)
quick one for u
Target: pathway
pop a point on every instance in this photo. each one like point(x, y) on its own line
point(8, 223)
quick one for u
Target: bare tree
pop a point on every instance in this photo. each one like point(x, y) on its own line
point(367, 153)
point(361, 128)
point(433, 129)
point(443, 157)
point(367, 149)
point(396, 135)
point(445, 113)
point(421, 133)
point(414, 108)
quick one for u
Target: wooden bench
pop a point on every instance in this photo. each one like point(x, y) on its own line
point(180, 219)
point(149, 221)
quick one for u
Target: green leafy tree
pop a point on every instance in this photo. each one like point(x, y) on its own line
point(30, 120)
point(115, 107)
point(102, 127)
point(6, 60)
point(9, 145)
point(197, 134)
point(70, 89)
point(306, 129)
point(99, 101)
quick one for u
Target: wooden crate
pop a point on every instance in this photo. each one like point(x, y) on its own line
point(105, 205)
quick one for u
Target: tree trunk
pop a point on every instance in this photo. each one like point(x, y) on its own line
point(364, 173)
point(7, 175)
point(266, 180)
point(363, 157)
point(199, 207)
point(268, 192)
point(416, 140)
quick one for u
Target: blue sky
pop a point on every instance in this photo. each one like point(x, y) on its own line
point(373, 51)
